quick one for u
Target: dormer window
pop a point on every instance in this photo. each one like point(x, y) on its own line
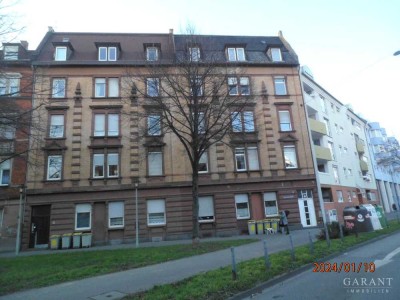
point(10, 52)
point(276, 54)
point(194, 53)
point(151, 53)
point(61, 54)
point(236, 54)
point(107, 53)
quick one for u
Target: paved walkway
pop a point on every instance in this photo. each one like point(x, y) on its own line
point(116, 285)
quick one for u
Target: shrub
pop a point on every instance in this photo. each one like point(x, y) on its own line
point(334, 231)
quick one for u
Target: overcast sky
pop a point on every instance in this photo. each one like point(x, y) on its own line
point(348, 44)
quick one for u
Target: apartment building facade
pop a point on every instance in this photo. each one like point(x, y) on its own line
point(344, 166)
point(386, 163)
point(15, 104)
point(97, 153)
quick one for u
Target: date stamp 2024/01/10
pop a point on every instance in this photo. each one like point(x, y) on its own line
point(346, 267)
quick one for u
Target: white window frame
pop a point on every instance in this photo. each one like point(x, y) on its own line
point(153, 87)
point(194, 53)
point(5, 166)
point(116, 214)
point(150, 52)
point(57, 91)
point(280, 86)
point(290, 154)
point(9, 84)
point(107, 53)
point(112, 161)
point(339, 195)
point(106, 124)
point(243, 121)
point(270, 197)
point(11, 52)
point(236, 54)
point(106, 87)
point(155, 157)
point(249, 155)
point(241, 199)
point(60, 53)
point(238, 86)
point(203, 161)
point(59, 165)
point(285, 123)
point(276, 54)
point(156, 207)
point(83, 209)
point(98, 160)
point(336, 174)
point(206, 209)
point(56, 129)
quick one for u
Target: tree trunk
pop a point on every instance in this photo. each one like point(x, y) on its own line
point(195, 195)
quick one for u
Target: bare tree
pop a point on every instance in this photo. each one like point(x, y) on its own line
point(191, 99)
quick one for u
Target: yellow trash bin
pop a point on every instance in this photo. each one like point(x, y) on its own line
point(252, 227)
point(55, 242)
point(260, 227)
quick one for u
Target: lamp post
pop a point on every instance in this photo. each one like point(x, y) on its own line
point(18, 239)
point(137, 214)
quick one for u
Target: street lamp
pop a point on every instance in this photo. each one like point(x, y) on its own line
point(18, 240)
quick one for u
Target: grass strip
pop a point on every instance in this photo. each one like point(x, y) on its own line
point(19, 273)
point(218, 284)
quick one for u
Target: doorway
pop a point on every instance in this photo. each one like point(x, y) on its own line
point(306, 208)
point(40, 226)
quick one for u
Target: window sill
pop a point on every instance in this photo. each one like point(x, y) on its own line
point(105, 98)
point(83, 229)
point(243, 218)
point(207, 221)
point(287, 131)
point(157, 225)
point(116, 228)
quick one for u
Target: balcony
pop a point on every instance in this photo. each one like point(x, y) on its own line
point(363, 166)
point(317, 127)
point(360, 146)
point(322, 153)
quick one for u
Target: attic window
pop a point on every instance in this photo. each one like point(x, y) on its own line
point(236, 54)
point(107, 53)
point(10, 52)
point(61, 54)
point(276, 54)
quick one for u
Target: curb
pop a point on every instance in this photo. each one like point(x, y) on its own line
point(262, 286)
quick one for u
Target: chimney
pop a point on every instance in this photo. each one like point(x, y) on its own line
point(25, 44)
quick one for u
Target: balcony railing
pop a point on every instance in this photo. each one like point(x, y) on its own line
point(322, 153)
point(317, 127)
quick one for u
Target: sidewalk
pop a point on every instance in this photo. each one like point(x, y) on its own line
point(117, 285)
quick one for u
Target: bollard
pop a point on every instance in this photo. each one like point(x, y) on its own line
point(234, 273)
point(266, 256)
point(311, 243)
point(292, 248)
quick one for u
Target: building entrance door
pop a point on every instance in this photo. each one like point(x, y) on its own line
point(306, 208)
point(99, 223)
point(40, 226)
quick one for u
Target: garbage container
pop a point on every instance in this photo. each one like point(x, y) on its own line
point(376, 224)
point(76, 239)
point(357, 219)
point(55, 242)
point(260, 227)
point(66, 241)
point(381, 215)
point(252, 227)
point(86, 240)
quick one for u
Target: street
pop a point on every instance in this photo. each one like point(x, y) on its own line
point(369, 272)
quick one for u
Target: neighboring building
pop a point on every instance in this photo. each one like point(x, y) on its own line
point(343, 160)
point(386, 164)
point(15, 104)
point(94, 154)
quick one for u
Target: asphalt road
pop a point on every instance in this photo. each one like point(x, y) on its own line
point(368, 272)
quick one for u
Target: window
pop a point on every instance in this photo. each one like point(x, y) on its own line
point(328, 128)
point(206, 209)
point(246, 159)
point(196, 86)
point(5, 169)
point(327, 194)
point(349, 196)
point(107, 53)
point(155, 162)
point(9, 85)
point(152, 53)
point(238, 87)
point(242, 206)
point(58, 90)
point(10, 52)
point(284, 120)
point(236, 54)
point(203, 163)
point(289, 153)
point(336, 174)
point(7, 135)
point(270, 204)
point(112, 163)
point(115, 214)
point(60, 54)
point(56, 126)
point(54, 167)
point(152, 87)
point(106, 125)
point(323, 103)
point(201, 122)
point(83, 214)
point(106, 87)
point(156, 212)
point(276, 54)
point(243, 121)
point(339, 195)
point(280, 86)
point(330, 146)
point(371, 196)
point(154, 125)
point(194, 53)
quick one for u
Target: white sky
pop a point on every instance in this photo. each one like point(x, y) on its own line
point(348, 44)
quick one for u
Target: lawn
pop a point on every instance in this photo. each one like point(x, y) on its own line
point(28, 272)
point(218, 284)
